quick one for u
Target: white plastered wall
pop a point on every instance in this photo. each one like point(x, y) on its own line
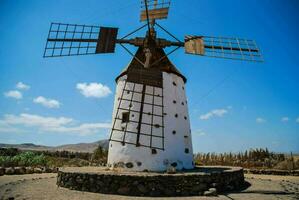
point(177, 135)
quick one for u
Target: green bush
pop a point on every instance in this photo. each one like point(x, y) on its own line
point(23, 159)
point(99, 155)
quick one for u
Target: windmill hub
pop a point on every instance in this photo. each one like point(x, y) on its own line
point(150, 120)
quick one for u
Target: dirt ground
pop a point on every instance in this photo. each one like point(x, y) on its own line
point(43, 186)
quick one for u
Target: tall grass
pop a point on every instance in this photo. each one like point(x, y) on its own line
point(254, 158)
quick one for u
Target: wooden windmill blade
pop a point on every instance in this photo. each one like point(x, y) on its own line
point(223, 47)
point(157, 9)
point(73, 39)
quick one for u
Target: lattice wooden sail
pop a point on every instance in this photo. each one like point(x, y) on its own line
point(157, 9)
point(223, 47)
point(73, 39)
point(139, 118)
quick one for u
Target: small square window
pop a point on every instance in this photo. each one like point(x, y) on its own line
point(154, 151)
point(186, 150)
point(125, 117)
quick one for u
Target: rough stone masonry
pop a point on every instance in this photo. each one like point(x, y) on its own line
point(195, 182)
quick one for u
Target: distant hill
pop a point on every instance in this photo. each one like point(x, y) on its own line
point(83, 147)
point(80, 147)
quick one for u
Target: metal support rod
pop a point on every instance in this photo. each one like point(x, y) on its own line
point(168, 32)
point(72, 40)
point(177, 44)
point(132, 55)
point(147, 17)
point(156, 62)
point(134, 31)
point(140, 115)
point(166, 43)
point(230, 48)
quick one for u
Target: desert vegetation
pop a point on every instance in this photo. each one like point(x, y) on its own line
point(253, 158)
point(25, 159)
point(12, 157)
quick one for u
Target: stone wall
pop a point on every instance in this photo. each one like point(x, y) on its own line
point(26, 170)
point(152, 184)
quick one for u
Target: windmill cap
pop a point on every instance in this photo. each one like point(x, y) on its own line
point(164, 65)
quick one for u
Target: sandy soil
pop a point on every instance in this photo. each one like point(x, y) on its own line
point(43, 186)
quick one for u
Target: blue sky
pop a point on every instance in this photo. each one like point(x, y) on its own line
point(233, 105)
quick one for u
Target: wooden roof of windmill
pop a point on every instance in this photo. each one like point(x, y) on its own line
point(164, 66)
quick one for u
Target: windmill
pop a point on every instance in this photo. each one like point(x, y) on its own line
point(150, 121)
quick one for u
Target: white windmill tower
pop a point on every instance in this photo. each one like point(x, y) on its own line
point(151, 127)
point(150, 121)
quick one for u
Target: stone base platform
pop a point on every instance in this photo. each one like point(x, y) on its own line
point(199, 181)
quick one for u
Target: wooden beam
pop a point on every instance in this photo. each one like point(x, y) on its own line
point(160, 13)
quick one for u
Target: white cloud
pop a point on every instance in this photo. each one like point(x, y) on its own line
point(13, 94)
point(260, 120)
point(82, 129)
point(297, 120)
point(30, 120)
point(96, 90)
point(22, 86)
point(214, 113)
point(49, 124)
point(200, 133)
point(49, 103)
point(285, 119)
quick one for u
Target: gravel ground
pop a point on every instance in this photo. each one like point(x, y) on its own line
point(43, 186)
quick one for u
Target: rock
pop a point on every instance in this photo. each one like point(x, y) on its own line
point(46, 170)
point(9, 171)
point(58, 179)
point(199, 187)
point(119, 165)
point(135, 183)
point(91, 180)
point(123, 190)
point(129, 165)
point(214, 185)
point(171, 170)
point(230, 187)
point(55, 169)
point(155, 193)
point(37, 170)
point(169, 191)
point(29, 170)
point(100, 183)
point(142, 188)
point(174, 164)
point(93, 189)
point(2, 171)
point(210, 192)
point(20, 170)
point(79, 180)
point(178, 191)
